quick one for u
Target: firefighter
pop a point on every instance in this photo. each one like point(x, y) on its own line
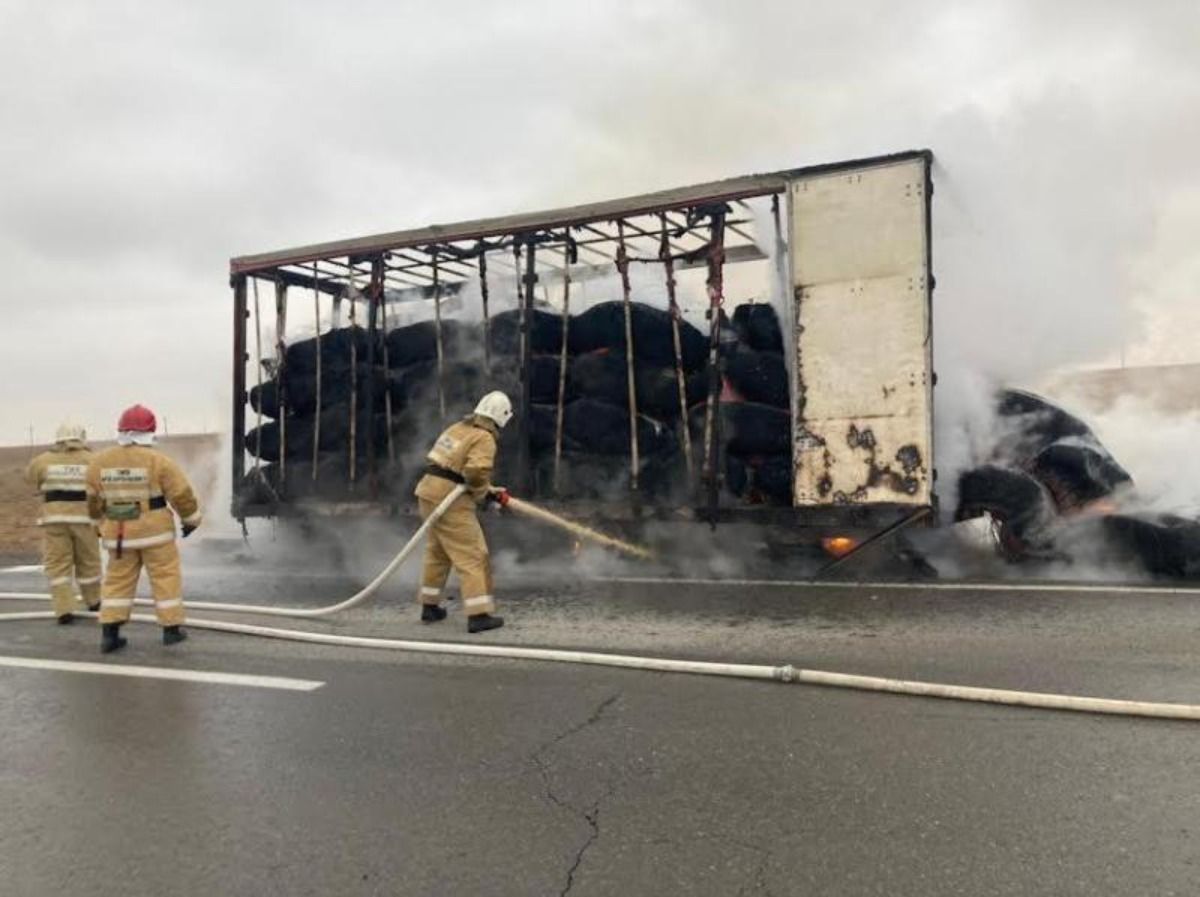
point(70, 546)
point(465, 453)
point(132, 489)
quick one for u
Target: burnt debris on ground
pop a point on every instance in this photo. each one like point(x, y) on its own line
point(1054, 491)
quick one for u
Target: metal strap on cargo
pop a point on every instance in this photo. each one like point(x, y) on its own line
point(436, 470)
point(65, 495)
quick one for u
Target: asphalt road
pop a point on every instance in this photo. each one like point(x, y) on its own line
point(409, 774)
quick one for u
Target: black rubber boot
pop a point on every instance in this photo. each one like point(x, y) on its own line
point(173, 635)
point(483, 622)
point(64, 619)
point(111, 638)
point(431, 613)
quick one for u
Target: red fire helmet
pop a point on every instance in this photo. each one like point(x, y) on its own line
point(138, 419)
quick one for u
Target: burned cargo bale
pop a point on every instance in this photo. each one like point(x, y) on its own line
point(335, 434)
point(1163, 544)
point(260, 486)
point(604, 429)
point(658, 391)
point(605, 478)
point(759, 376)
point(760, 479)
point(301, 357)
point(264, 442)
point(264, 398)
point(545, 332)
point(335, 390)
point(463, 382)
point(543, 425)
point(747, 428)
point(1077, 473)
point(332, 481)
point(1033, 424)
point(543, 378)
point(603, 327)
point(1014, 498)
point(757, 326)
point(603, 375)
point(418, 342)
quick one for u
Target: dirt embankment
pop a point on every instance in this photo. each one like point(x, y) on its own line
point(19, 538)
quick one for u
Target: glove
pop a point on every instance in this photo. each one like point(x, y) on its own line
point(188, 529)
point(498, 495)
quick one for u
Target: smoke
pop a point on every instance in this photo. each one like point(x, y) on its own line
point(1067, 182)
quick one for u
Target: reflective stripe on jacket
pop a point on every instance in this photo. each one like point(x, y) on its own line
point(60, 476)
point(467, 448)
point(121, 483)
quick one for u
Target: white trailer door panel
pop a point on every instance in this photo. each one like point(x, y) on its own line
point(862, 386)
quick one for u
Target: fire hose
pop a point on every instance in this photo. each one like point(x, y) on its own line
point(533, 511)
point(782, 673)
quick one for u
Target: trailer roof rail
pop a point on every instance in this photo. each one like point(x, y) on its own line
point(590, 230)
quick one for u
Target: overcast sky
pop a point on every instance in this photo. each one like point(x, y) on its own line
point(143, 144)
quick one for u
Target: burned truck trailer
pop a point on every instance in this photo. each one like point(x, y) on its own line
point(756, 349)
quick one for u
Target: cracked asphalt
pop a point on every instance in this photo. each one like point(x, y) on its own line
point(411, 774)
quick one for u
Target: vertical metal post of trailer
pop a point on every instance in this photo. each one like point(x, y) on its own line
point(240, 313)
point(570, 256)
point(353, 440)
point(258, 369)
point(437, 332)
point(630, 378)
point(386, 379)
point(316, 437)
point(483, 298)
point(526, 297)
point(716, 298)
point(374, 296)
point(281, 378)
point(664, 253)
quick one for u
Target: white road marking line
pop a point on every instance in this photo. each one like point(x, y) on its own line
point(910, 586)
point(24, 568)
point(105, 669)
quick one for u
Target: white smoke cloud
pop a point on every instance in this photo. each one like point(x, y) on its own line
point(148, 144)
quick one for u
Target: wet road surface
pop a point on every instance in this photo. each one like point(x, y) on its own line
point(406, 774)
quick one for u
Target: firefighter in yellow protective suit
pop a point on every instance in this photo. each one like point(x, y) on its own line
point(132, 489)
point(465, 453)
point(70, 546)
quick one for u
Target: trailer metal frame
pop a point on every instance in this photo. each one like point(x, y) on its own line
point(689, 227)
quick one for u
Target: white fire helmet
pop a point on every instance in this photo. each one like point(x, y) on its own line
point(70, 431)
point(495, 406)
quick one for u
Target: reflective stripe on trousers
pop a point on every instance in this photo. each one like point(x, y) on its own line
point(166, 583)
point(71, 554)
point(456, 542)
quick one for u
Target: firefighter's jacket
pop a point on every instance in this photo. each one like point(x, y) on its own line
point(466, 449)
point(131, 490)
point(60, 475)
